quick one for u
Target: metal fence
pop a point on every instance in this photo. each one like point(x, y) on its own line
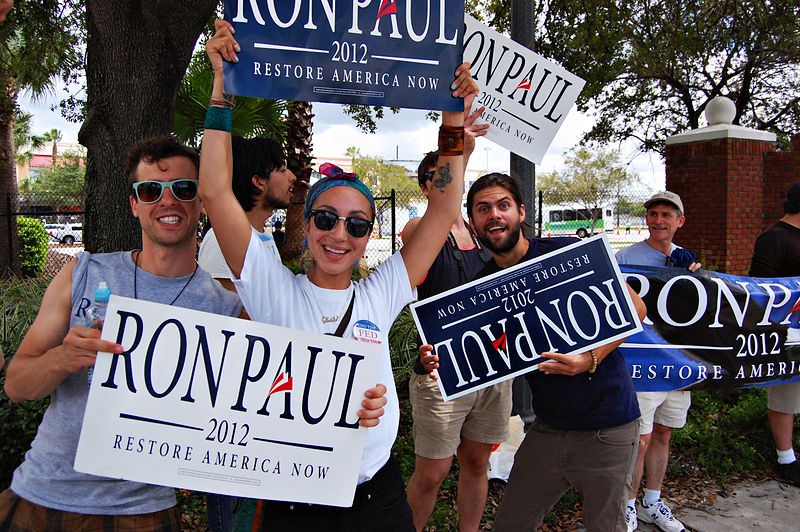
point(62, 218)
point(619, 217)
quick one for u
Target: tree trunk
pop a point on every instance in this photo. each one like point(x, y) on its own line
point(299, 123)
point(9, 250)
point(137, 53)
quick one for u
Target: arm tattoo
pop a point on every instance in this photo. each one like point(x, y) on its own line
point(444, 179)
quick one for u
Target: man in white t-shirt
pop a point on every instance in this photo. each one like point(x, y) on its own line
point(261, 184)
point(661, 411)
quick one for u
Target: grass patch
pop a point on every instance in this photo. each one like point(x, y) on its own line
point(726, 434)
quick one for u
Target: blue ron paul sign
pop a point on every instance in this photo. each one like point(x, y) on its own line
point(371, 52)
point(494, 328)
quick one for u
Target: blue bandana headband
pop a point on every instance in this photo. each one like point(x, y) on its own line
point(336, 177)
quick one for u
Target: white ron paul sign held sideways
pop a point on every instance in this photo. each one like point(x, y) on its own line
point(527, 97)
point(217, 404)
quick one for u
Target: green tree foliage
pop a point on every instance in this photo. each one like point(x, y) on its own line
point(19, 303)
point(62, 182)
point(382, 177)
point(590, 179)
point(252, 117)
point(24, 139)
point(652, 66)
point(32, 246)
point(38, 41)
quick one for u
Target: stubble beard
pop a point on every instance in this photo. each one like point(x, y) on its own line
point(506, 245)
point(273, 202)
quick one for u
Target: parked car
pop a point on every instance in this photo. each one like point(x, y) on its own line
point(65, 233)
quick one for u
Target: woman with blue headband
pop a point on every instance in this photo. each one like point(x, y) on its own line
point(339, 215)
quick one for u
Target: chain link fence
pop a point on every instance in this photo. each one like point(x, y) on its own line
point(619, 217)
point(60, 215)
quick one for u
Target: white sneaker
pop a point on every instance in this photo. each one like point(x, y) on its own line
point(660, 515)
point(631, 518)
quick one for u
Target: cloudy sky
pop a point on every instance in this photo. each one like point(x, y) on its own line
point(406, 135)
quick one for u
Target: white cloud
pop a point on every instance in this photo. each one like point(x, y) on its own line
point(406, 135)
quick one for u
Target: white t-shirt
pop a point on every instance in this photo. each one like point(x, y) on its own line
point(271, 293)
point(210, 256)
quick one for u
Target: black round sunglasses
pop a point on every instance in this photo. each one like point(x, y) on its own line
point(327, 220)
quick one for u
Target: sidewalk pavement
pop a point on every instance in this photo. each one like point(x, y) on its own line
point(764, 505)
point(751, 505)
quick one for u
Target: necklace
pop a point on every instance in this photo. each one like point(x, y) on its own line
point(136, 269)
point(335, 317)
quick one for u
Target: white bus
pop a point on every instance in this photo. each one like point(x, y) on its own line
point(571, 219)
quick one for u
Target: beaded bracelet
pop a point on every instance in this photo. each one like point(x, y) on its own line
point(219, 118)
point(593, 368)
point(220, 103)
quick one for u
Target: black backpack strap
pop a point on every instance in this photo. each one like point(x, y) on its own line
point(346, 318)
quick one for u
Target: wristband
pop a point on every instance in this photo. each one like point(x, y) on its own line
point(451, 141)
point(219, 118)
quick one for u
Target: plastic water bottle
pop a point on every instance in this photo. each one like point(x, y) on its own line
point(96, 314)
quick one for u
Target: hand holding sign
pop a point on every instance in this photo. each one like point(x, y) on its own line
point(370, 415)
point(79, 349)
point(222, 45)
point(430, 360)
point(561, 364)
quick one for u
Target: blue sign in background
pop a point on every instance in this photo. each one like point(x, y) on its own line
point(713, 330)
point(387, 53)
point(492, 329)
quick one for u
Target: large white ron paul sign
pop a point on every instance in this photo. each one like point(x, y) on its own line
point(527, 97)
point(217, 404)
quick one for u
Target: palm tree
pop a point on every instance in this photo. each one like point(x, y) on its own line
point(299, 123)
point(252, 117)
point(23, 138)
point(55, 137)
point(353, 152)
point(37, 42)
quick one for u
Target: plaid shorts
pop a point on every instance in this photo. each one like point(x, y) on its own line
point(19, 515)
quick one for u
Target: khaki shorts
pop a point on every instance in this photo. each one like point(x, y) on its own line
point(665, 408)
point(784, 398)
point(481, 416)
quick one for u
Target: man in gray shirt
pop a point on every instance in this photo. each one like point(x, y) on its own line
point(661, 411)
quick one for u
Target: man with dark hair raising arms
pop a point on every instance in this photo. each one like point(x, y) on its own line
point(585, 433)
point(54, 357)
point(777, 254)
point(261, 184)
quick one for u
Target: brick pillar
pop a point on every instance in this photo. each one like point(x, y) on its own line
point(718, 171)
point(781, 171)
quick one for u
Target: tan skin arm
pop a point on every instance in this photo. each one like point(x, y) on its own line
point(216, 164)
point(444, 201)
point(227, 216)
point(559, 363)
point(51, 350)
point(471, 132)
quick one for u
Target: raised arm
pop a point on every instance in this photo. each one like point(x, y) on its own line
point(447, 188)
point(51, 350)
point(216, 163)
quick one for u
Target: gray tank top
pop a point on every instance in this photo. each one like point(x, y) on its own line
point(46, 477)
